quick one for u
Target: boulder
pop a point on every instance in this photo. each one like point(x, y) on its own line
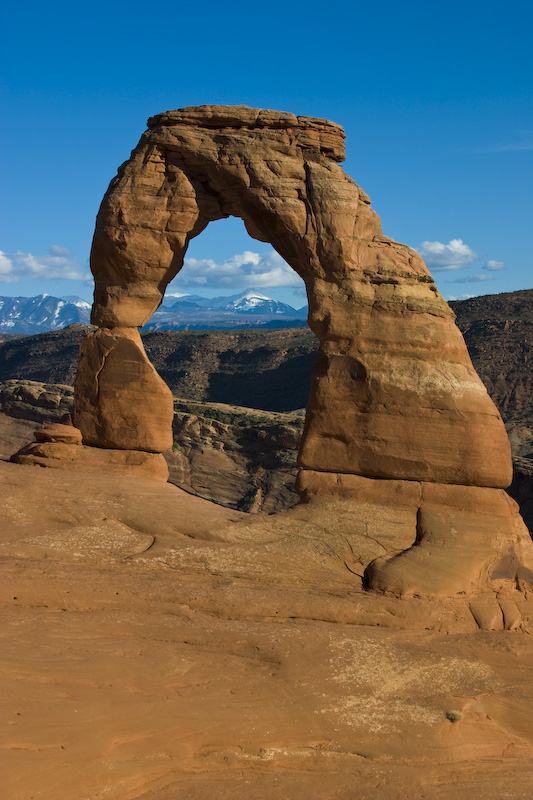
point(73, 456)
point(58, 432)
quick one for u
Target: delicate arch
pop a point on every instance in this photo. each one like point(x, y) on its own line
point(396, 415)
point(394, 393)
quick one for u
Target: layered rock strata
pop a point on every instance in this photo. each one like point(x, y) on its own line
point(60, 447)
point(394, 395)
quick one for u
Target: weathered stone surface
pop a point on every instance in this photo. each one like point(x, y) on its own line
point(119, 399)
point(158, 646)
point(468, 540)
point(240, 457)
point(33, 400)
point(313, 485)
point(59, 433)
point(463, 539)
point(394, 393)
point(63, 455)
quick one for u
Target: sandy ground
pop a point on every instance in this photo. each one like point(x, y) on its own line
point(158, 646)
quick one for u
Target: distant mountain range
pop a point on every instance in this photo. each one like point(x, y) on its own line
point(42, 313)
point(250, 309)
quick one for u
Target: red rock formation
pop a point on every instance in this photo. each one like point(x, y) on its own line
point(119, 399)
point(394, 395)
point(59, 446)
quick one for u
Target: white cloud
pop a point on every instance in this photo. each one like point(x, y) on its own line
point(523, 141)
point(473, 279)
point(493, 266)
point(248, 270)
point(7, 270)
point(509, 148)
point(454, 255)
point(450, 297)
point(57, 250)
point(301, 290)
point(58, 263)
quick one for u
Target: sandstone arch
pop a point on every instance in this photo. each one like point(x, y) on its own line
point(396, 410)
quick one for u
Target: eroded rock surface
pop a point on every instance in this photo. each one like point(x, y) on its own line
point(242, 458)
point(36, 401)
point(239, 457)
point(498, 331)
point(394, 393)
point(119, 399)
point(158, 646)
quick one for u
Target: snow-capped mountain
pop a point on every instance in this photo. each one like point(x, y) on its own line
point(177, 300)
point(249, 302)
point(253, 302)
point(77, 301)
point(249, 309)
point(42, 313)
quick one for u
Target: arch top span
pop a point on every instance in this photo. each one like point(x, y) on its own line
point(280, 174)
point(310, 133)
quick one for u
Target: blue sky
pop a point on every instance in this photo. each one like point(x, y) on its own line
point(436, 102)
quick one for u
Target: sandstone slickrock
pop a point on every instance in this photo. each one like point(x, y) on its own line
point(60, 454)
point(122, 412)
point(157, 646)
point(58, 432)
point(240, 457)
point(467, 539)
point(394, 394)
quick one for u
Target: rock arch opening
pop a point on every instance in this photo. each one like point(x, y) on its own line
point(231, 281)
point(235, 344)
